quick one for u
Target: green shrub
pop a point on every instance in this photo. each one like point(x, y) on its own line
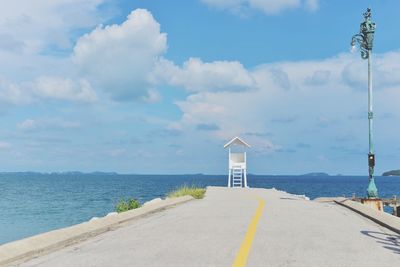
point(196, 192)
point(133, 204)
point(124, 205)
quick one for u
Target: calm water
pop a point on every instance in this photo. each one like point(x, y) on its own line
point(35, 203)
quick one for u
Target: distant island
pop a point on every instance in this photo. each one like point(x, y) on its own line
point(316, 174)
point(392, 173)
point(27, 173)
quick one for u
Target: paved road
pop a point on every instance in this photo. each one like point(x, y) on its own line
point(288, 231)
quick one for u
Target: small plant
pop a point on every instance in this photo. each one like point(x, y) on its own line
point(124, 205)
point(196, 192)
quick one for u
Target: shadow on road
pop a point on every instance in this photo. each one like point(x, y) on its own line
point(289, 198)
point(391, 242)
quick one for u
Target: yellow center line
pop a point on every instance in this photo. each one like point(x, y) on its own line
point(241, 257)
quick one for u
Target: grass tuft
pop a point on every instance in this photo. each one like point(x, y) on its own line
point(124, 205)
point(196, 192)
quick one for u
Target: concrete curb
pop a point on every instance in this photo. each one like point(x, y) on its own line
point(386, 220)
point(328, 199)
point(22, 250)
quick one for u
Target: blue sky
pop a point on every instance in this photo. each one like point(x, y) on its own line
point(152, 86)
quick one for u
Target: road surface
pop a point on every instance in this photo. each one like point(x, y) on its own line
point(239, 227)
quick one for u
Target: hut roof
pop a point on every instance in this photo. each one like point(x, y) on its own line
point(236, 141)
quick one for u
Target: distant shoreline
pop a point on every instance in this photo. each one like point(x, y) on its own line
point(312, 174)
point(392, 173)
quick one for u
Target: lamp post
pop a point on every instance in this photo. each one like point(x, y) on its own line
point(365, 40)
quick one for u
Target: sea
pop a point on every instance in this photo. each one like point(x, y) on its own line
point(33, 203)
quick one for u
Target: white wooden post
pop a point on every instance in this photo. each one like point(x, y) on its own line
point(245, 170)
point(229, 169)
point(229, 178)
point(245, 178)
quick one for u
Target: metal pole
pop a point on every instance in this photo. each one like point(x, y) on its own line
point(370, 112)
point(372, 191)
point(365, 40)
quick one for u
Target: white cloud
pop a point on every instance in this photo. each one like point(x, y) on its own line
point(30, 125)
point(27, 125)
point(32, 26)
point(117, 152)
point(45, 88)
point(319, 95)
point(30, 31)
point(125, 60)
point(196, 76)
point(152, 96)
point(64, 89)
point(385, 71)
point(312, 5)
point(4, 145)
point(231, 114)
point(269, 7)
point(120, 58)
point(12, 93)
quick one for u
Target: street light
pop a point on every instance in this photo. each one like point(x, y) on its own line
point(365, 40)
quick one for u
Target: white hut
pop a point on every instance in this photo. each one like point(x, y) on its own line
point(237, 162)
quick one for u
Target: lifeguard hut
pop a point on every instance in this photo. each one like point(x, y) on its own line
point(237, 162)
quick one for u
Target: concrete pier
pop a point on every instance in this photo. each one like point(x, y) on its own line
point(239, 227)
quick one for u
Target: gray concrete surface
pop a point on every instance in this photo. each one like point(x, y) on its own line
point(380, 217)
point(291, 232)
point(21, 250)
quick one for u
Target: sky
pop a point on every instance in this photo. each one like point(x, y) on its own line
point(158, 87)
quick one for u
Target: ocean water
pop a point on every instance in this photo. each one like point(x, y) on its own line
point(35, 203)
